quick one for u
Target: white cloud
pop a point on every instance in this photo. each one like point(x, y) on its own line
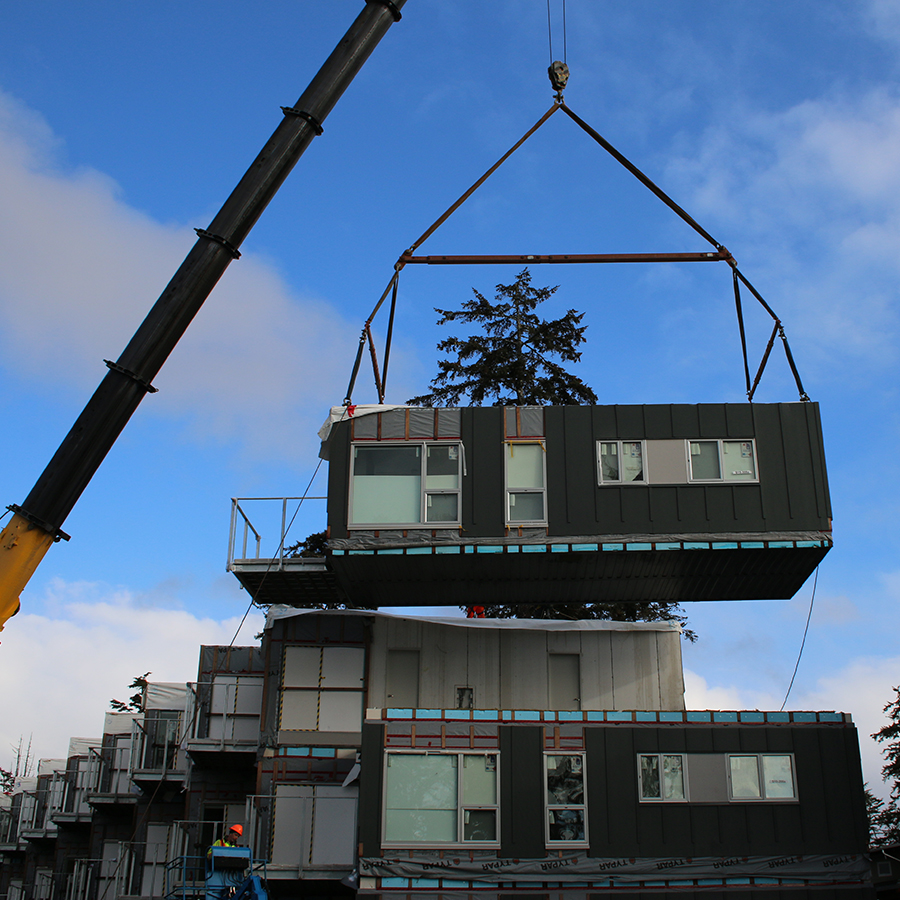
point(813, 193)
point(79, 270)
point(60, 670)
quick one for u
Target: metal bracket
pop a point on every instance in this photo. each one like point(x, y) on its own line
point(202, 232)
point(141, 381)
point(302, 114)
point(58, 533)
point(391, 6)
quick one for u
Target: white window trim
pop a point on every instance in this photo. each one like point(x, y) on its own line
point(548, 807)
point(645, 480)
point(461, 807)
point(762, 784)
point(528, 523)
point(684, 777)
point(423, 491)
point(721, 479)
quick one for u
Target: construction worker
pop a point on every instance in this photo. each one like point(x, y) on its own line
point(222, 882)
point(232, 838)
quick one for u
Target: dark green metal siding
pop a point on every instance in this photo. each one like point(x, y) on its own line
point(829, 817)
point(521, 792)
point(792, 493)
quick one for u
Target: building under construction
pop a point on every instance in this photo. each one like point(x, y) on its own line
point(442, 759)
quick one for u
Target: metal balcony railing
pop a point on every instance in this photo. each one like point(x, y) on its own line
point(272, 515)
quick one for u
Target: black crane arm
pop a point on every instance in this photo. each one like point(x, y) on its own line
point(37, 522)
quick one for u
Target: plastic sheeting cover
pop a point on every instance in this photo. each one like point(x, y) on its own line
point(578, 867)
point(165, 695)
point(81, 746)
point(278, 611)
point(48, 766)
point(342, 414)
point(119, 723)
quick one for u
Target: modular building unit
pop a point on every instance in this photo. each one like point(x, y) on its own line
point(581, 806)
point(574, 504)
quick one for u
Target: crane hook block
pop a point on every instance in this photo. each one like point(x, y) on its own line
point(559, 75)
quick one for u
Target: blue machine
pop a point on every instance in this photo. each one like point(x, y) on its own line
point(230, 875)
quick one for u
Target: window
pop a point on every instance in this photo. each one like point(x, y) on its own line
point(766, 776)
point(722, 460)
point(405, 484)
point(566, 814)
point(525, 480)
point(431, 799)
point(621, 462)
point(661, 776)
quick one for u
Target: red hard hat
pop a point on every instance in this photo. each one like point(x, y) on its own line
point(237, 829)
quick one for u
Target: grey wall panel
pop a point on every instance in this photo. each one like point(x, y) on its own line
point(449, 423)
point(393, 424)
point(523, 685)
point(402, 679)
point(666, 462)
point(291, 828)
point(521, 792)
point(334, 826)
point(421, 423)
point(365, 427)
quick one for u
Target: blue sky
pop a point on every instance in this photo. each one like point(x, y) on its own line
point(124, 126)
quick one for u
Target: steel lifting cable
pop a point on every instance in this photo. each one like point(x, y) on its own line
point(721, 254)
point(550, 32)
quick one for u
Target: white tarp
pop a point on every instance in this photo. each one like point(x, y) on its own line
point(342, 413)
point(285, 612)
point(165, 695)
point(80, 746)
point(48, 766)
point(119, 723)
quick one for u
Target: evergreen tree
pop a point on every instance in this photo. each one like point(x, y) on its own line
point(509, 362)
point(135, 701)
point(884, 820)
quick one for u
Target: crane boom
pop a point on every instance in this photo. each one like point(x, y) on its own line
point(36, 524)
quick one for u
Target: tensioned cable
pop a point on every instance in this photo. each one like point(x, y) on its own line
point(812, 600)
point(550, 33)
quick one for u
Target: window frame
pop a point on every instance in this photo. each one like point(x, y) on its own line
point(720, 442)
point(549, 807)
point(760, 774)
point(619, 442)
point(424, 490)
point(659, 762)
point(507, 491)
point(461, 805)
